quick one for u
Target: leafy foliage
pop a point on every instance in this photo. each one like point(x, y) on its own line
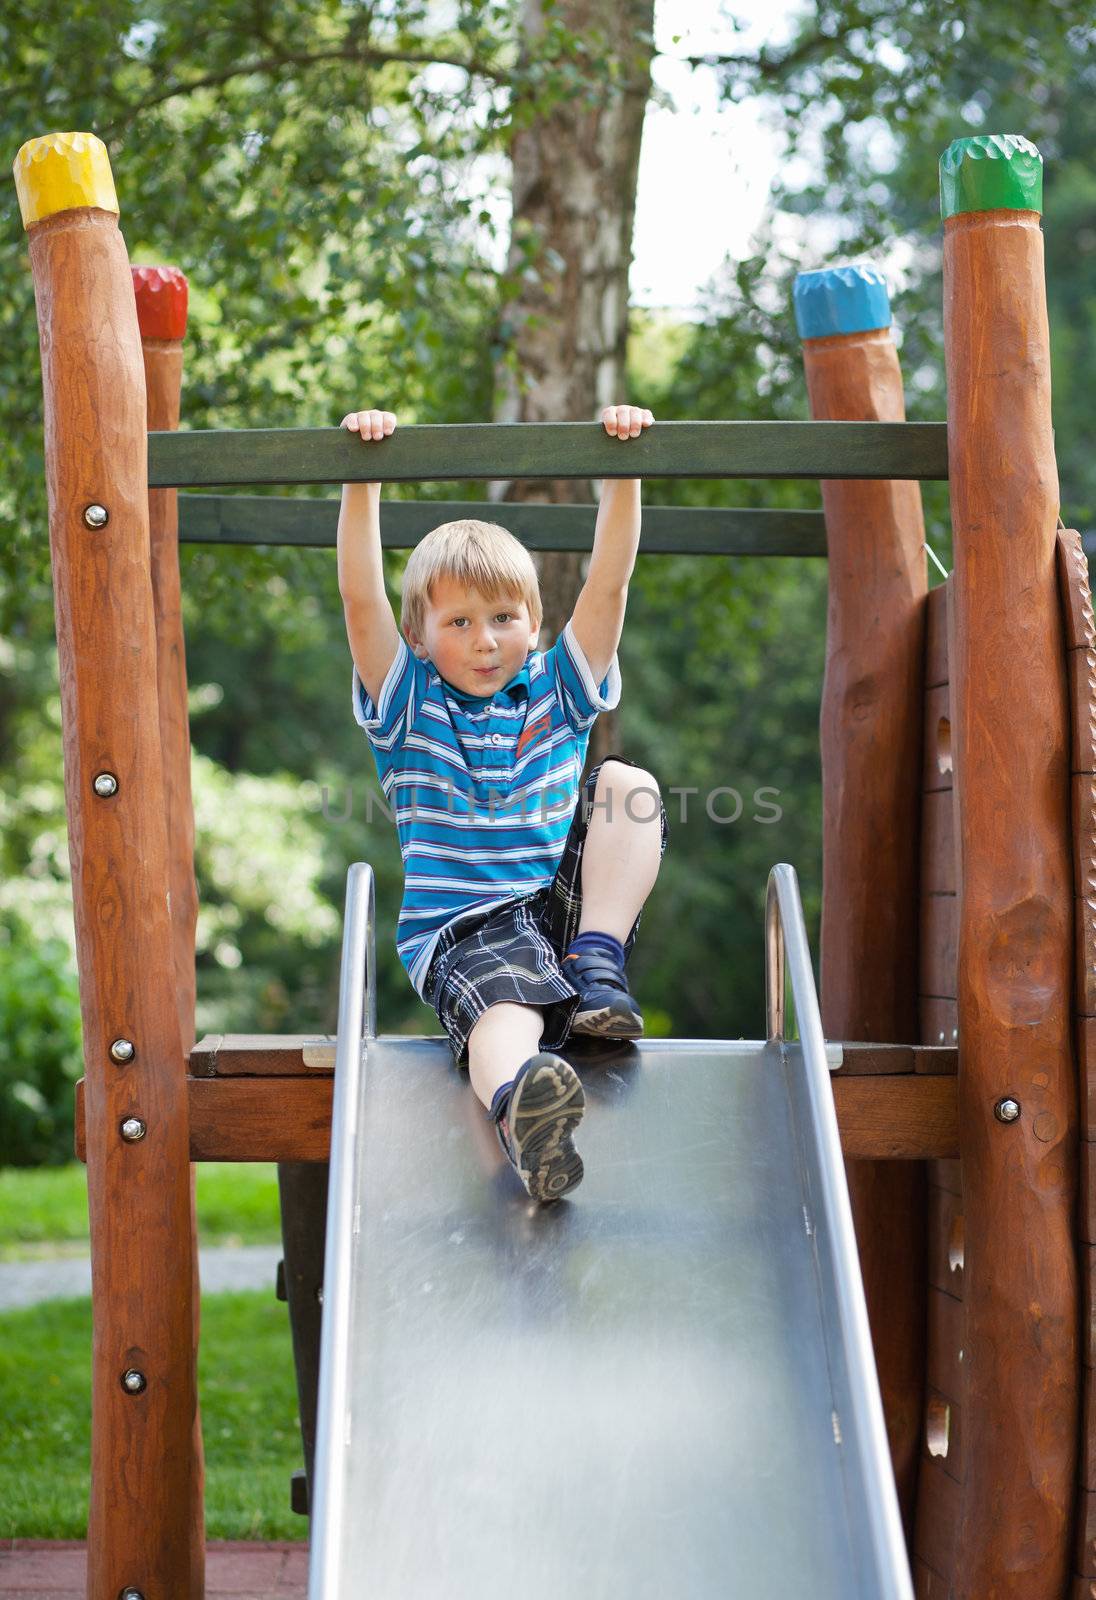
point(329, 177)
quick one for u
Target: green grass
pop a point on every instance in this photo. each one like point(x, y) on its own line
point(44, 1210)
point(248, 1401)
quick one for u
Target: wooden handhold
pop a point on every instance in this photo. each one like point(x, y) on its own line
point(939, 761)
point(1076, 593)
point(1084, 834)
point(943, 1433)
point(945, 1241)
point(1085, 1037)
point(1082, 700)
point(1085, 953)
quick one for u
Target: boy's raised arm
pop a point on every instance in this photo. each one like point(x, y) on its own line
point(598, 617)
point(370, 625)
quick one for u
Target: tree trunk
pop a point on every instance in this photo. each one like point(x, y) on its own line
point(575, 164)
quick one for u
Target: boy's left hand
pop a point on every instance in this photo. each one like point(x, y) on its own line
point(625, 422)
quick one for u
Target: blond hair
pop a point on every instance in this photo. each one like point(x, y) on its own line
point(481, 555)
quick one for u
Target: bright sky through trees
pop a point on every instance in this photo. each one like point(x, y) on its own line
point(705, 169)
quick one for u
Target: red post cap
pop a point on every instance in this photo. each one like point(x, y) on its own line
point(161, 302)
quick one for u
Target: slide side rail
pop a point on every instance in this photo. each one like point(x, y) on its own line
point(787, 953)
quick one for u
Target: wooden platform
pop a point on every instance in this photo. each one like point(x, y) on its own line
point(55, 1569)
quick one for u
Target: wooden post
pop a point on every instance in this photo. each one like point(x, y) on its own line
point(141, 1515)
point(161, 296)
point(1017, 1079)
point(871, 756)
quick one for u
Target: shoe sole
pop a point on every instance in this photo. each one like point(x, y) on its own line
point(614, 1021)
point(548, 1107)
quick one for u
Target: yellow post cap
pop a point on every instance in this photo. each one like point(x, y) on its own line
point(63, 172)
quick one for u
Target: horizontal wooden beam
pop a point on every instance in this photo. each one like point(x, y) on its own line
point(910, 1116)
point(667, 530)
point(550, 450)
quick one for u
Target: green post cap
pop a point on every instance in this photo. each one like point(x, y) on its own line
point(992, 172)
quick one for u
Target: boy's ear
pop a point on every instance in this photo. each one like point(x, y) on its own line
point(416, 645)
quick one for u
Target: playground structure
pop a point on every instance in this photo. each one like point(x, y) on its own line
point(959, 915)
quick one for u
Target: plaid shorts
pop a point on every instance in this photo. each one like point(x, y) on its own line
point(514, 953)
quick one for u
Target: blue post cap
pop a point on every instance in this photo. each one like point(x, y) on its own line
point(850, 299)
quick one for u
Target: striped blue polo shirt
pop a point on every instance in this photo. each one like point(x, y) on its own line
point(483, 787)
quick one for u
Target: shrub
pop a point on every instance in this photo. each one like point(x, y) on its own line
point(41, 1054)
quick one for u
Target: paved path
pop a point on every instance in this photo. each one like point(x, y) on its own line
point(25, 1283)
point(39, 1569)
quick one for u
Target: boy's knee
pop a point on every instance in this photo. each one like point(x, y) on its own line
point(633, 790)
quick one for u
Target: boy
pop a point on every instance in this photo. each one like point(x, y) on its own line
point(520, 906)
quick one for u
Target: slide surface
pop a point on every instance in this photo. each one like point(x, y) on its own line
point(640, 1392)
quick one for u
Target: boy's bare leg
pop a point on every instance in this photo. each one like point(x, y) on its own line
point(503, 1038)
point(623, 848)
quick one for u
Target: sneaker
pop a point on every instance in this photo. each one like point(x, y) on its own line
point(605, 1006)
point(545, 1106)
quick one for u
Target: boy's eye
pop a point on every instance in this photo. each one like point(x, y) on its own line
point(503, 616)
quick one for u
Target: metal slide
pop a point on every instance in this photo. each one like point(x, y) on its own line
point(660, 1388)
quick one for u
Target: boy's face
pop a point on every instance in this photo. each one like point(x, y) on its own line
point(477, 643)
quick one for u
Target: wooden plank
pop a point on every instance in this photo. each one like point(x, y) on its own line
point(936, 636)
point(939, 939)
point(938, 1060)
point(939, 873)
point(1082, 702)
point(1073, 587)
point(667, 530)
point(945, 1241)
point(220, 1055)
point(939, 1019)
point(938, 1512)
point(937, 769)
point(912, 1116)
point(945, 1345)
point(418, 454)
